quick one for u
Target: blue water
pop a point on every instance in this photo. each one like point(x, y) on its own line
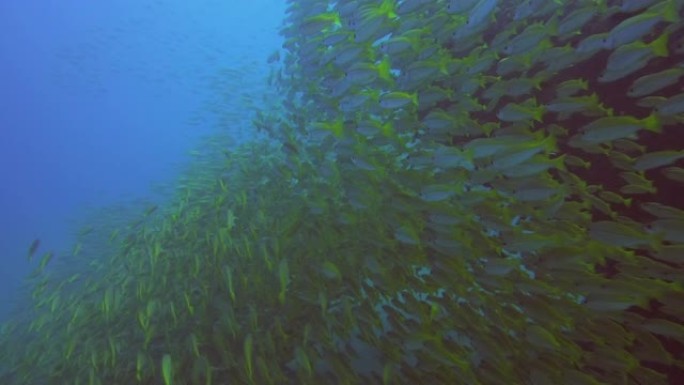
point(101, 102)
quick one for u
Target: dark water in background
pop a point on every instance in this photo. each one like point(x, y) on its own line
point(100, 103)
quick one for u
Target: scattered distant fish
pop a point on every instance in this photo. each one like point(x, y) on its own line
point(86, 230)
point(151, 210)
point(77, 249)
point(33, 248)
point(274, 57)
point(47, 257)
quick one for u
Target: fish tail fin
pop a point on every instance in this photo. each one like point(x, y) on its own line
point(414, 98)
point(387, 129)
point(550, 144)
point(559, 163)
point(552, 27)
point(388, 9)
point(539, 113)
point(384, 69)
point(670, 12)
point(653, 123)
point(660, 45)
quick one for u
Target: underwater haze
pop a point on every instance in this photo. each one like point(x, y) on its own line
point(102, 104)
point(343, 192)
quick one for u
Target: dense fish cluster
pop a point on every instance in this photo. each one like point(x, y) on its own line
point(446, 192)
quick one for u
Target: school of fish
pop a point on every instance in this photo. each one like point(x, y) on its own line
point(441, 192)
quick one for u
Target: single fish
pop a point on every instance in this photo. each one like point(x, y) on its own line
point(657, 159)
point(167, 369)
point(674, 173)
point(481, 11)
point(638, 51)
point(526, 111)
point(33, 248)
point(672, 106)
point(394, 100)
point(636, 27)
point(651, 83)
point(617, 127)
